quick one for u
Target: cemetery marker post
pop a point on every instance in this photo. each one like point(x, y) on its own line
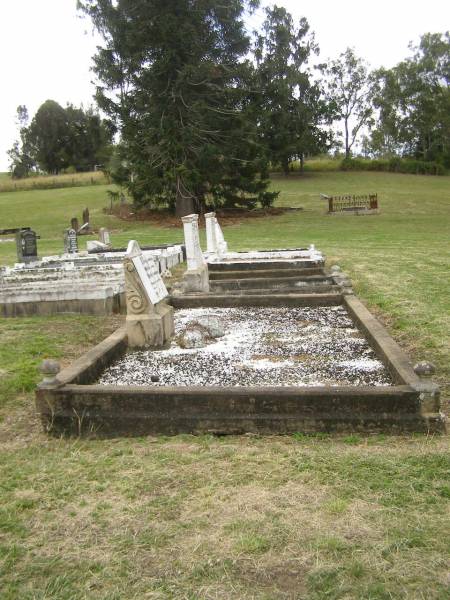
point(196, 278)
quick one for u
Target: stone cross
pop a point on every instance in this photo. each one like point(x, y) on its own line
point(196, 278)
point(149, 320)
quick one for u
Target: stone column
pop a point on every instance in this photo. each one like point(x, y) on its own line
point(196, 278)
point(211, 241)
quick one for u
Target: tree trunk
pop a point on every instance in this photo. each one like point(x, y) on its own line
point(285, 165)
point(302, 162)
point(184, 202)
point(347, 149)
point(184, 206)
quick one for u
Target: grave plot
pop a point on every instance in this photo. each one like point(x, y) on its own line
point(307, 346)
point(354, 378)
point(73, 283)
point(261, 362)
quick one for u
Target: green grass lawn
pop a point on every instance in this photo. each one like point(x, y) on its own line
point(299, 517)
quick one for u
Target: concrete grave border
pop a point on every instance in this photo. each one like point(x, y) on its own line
point(75, 405)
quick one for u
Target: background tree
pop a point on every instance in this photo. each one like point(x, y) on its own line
point(20, 155)
point(48, 135)
point(58, 138)
point(88, 139)
point(289, 107)
point(413, 102)
point(174, 79)
point(349, 95)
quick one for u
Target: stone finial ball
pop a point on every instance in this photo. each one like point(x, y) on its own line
point(335, 269)
point(424, 369)
point(49, 367)
point(345, 283)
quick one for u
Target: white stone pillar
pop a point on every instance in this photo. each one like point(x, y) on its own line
point(211, 241)
point(194, 255)
point(196, 278)
point(221, 244)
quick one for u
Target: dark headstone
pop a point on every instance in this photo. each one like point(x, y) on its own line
point(26, 243)
point(70, 241)
point(86, 215)
point(74, 223)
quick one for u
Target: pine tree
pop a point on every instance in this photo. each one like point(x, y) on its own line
point(173, 78)
point(290, 111)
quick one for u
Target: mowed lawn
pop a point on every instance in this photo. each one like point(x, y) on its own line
point(298, 517)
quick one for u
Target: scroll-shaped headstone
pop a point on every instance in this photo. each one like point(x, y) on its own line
point(149, 320)
point(196, 278)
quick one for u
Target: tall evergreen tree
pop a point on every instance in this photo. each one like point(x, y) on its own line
point(289, 107)
point(173, 79)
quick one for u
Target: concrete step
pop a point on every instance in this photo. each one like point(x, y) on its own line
point(306, 263)
point(271, 283)
point(264, 273)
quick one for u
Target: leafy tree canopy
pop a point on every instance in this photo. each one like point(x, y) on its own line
point(289, 105)
point(58, 138)
point(349, 95)
point(413, 102)
point(174, 79)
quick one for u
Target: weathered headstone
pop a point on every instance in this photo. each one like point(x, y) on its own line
point(149, 319)
point(26, 243)
point(196, 277)
point(222, 246)
point(70, 241)
point(86, 215)
point(211, 241)
point(74, 224)
point(103, 235)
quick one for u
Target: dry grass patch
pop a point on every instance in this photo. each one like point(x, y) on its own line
point(245, 517)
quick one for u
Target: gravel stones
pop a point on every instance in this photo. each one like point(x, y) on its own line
point(308, 346)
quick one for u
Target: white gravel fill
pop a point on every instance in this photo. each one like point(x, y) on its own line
point(308, 346)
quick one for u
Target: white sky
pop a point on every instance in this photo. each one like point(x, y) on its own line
point(46, 49)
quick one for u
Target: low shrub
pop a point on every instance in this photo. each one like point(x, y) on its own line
point(393, 165)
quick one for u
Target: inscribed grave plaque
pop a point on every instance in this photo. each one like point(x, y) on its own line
point(153, 283)
point(70, 241)
point(26, 242)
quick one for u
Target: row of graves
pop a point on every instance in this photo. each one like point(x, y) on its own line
point(258, 342)
point(85, 282)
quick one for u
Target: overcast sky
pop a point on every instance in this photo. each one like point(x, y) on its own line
point(46, 49)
